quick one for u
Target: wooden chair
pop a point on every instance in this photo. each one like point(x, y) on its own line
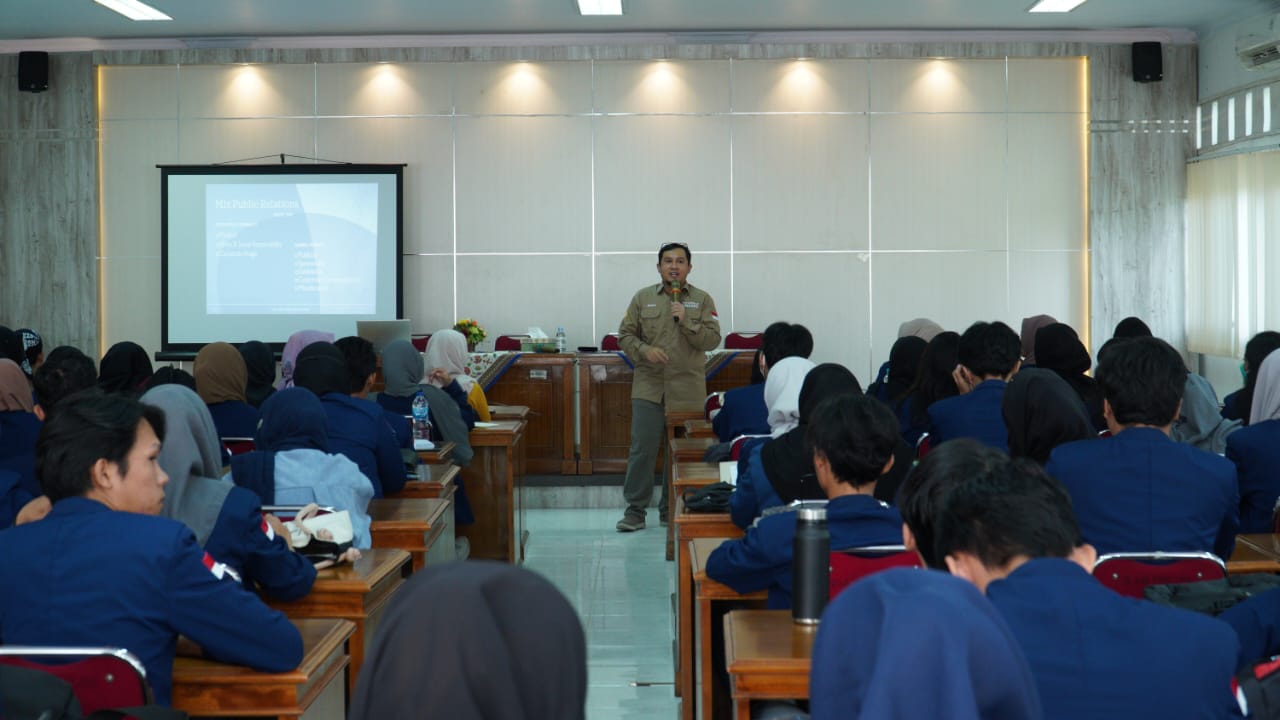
point(1131, 573)
point(609, 343)
point(102, 678)
point(849, 566)
point(743, 341)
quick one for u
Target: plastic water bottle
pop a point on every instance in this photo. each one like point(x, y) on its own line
point(562, 342)
point(810, 565)
point(421, 418)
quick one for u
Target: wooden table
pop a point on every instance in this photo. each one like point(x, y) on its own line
point(712, 599)
point(509, 412)
point(434, 481)
point(687, 525)
point(441, 454)
point(357, 592)
point(315, 689)
point(1255, 553)
point(422, 527)
point(544, 383)
point(494, 481)
point(698, 428)
point(767, 655)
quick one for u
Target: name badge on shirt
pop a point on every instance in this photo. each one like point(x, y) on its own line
point(691, 304)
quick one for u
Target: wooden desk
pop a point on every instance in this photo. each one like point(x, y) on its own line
point(1256, 553)
point(544, 383)
point(678, 449)
point(315, 689)
point(434, 481)
point(768, 657)
point(698, 428)
point(420, 526)
point(509, 412)
point(494, 481)
point(712, 599)
point(357, 592)
point(441, 454)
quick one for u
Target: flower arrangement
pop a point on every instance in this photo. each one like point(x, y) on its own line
point(471, 330)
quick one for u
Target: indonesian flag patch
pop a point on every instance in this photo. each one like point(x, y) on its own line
point(219, 570)
point(267, 529)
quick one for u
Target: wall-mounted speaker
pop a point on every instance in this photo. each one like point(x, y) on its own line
point(33, 71)
point(1147, 63)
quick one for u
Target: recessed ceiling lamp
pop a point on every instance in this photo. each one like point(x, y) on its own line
point(1057, 6)
point(600, 7)
point(133, 9)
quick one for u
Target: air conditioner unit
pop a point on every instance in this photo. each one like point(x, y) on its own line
point(1259, 46)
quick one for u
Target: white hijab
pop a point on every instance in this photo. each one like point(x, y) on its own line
point(782, 393)
point(1266, 393)
point(448, 349)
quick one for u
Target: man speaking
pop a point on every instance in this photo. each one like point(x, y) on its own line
point(666, 332)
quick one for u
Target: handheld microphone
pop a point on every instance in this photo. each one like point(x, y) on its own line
point(675, 297)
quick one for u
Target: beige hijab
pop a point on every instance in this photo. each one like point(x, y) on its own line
point(923, 328)
point(15, 391)
point(221, 374)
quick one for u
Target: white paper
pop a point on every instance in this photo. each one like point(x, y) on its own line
point(483, 424)
point(729, 472)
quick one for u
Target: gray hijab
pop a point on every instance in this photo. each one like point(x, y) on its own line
point(1266, 393)
point(402, 368)
point(192, 457)
point(1200, 423)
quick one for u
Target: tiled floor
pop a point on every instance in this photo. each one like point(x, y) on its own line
point(621, 585)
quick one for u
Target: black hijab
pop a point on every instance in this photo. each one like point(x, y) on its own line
point(904, 364)
point(1059, 349)
point(1042, 412)
point(1131, 327)
point(261, 364)
point(788, 464)
point(169, 375)
point(11, 345)
point(476, 641)
point(321, 368)
point(125, 368)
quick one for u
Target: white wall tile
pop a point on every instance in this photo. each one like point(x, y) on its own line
point(1048, 85)
point(130, 151)
point(522, 88)
point(217, 141)
point(618, 277)
point(137, 92)
point(800, 182)
point(659, 179)
point(229, 91)
point(362, 89)
point(509, 293)
point(1051, 283)
point(524, 184)
point(131, 301)
point(800, 85)
point(775, 286)
point(426, 146)
point(428, 292)
point(937, 182)
point(662, 86)
point(938, 85)
point(1048, 178)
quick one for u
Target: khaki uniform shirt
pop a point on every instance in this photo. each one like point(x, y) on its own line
point(682, 382)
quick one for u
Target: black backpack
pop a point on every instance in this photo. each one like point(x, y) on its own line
point(713, 498)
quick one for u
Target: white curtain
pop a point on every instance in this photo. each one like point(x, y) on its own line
point(1233, 246)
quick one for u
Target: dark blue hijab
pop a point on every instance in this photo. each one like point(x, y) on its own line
point(292, 419)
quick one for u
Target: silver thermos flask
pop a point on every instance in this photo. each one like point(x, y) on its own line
point(810, 565)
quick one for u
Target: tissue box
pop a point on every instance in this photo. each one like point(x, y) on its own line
point(538, 345)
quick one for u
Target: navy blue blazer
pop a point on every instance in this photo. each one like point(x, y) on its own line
point(240, 540)
point(1097, 654)
point(1140, 491)
point(1257, 625)
point(233, 418)
point(1256, 452)
point(976, 414)
point(742, 412)
point(753, 494)
point(87, 575)
point(12, 497)
point(18, 433)
point(358, 430)
point(762, 558)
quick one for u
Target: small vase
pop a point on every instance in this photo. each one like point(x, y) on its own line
point(471, 347)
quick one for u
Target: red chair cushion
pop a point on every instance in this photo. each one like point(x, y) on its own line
point(1131, 576)
point(239, 447)
point(712, 406)
point(743, 341)
point(609, 343)
point(420, 342)
point(99, 682)
point(849, 566)
point(507, 343)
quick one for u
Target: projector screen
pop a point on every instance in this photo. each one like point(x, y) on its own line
point(259, 252)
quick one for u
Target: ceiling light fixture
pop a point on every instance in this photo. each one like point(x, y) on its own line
point(1055, 6)
point(600, 7)
point(133, 9)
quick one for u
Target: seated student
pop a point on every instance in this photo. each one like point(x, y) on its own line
point(292, 465)
point(922, 328)
point(260, 364)
point(356, 427)
point(1200, 423)
point(909, 643)
point(227, 520)
point(1130, 327)
point(19, 426)
point(221, 378)
point(1094, 653)
point(362, 369)
point(934, 381)
point(169, 375)
point(989, 356)
point(1255, 450)
point(11, 345)
point(402, 372)
point(897, 375)
point(1058, 348)
point(1042, 412)
point(476, 641)
point(132, 580)
point(1031, 327)
point(922, 494)
point(294, 345)
point(447, 358)
point(1239, 404)
point(851, 439)
point(1138, 490)
point(743, 411)
point(124, 369)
